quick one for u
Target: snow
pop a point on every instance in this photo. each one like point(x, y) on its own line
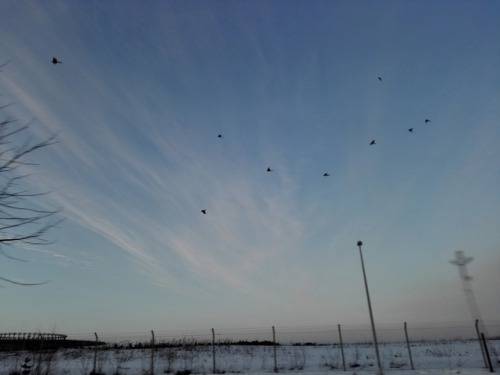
point(429, 358)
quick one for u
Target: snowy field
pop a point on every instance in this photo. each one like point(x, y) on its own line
point(440, 357)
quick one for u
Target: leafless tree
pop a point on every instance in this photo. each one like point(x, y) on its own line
point(21, 219)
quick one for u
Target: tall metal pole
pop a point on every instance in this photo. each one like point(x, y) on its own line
point(379, 364)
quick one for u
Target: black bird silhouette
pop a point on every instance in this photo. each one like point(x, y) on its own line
point(204, 212)
point(326, 175)
point(427, 120)
point(380, 78)
point(56, 61)
point(269, 170)
point(219, 136)
point(372, 142)
point(410, 130)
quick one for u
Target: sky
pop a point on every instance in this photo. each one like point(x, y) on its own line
point(142, 93)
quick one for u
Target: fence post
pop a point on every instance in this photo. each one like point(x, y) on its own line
point(274, 351)
point(94, 371)
point(487, 353)
point(152, 369)
point(40, 349)
point(213, 351)
point(409, 349)
point(342, 348)
point(481, 343)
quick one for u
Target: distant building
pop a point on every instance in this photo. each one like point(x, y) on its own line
point(39, 341)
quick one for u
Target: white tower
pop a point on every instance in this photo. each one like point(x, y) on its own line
point(461, 261)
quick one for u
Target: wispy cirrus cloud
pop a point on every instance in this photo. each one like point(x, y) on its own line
point(143, 93)
point(181, 182)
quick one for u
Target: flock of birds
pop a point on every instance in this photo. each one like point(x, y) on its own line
point(56, 61)
point(326, 174)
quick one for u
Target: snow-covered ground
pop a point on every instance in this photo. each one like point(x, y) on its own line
point(430, 358)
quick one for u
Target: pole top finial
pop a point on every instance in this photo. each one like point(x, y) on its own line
point(360, 243)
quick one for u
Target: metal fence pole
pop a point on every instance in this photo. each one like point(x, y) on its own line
point(342, 348)
point(94, 371)
point(274, 351)
point(152, 369)
point(490, 365)
point(409, 349)
point(213, 351)
point(481, 343)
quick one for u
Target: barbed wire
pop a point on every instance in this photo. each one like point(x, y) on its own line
point(460, 328)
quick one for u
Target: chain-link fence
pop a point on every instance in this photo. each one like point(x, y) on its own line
point(325, 334)
point(276, 349)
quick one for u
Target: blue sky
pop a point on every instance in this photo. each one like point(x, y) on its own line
point(138, 102)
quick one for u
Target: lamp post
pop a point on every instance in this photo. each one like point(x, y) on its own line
point(370, 310)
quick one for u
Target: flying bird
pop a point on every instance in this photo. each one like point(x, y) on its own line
point(204, 212)
point(372, 142)
point(219, 136)
point(380, 78)
point(326, 175)
point(269, 170)
point(56, 61)
point(410, 130)
point(427, 120)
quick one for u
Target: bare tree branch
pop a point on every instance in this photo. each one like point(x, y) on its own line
point(20, 283)
point(21, 219)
